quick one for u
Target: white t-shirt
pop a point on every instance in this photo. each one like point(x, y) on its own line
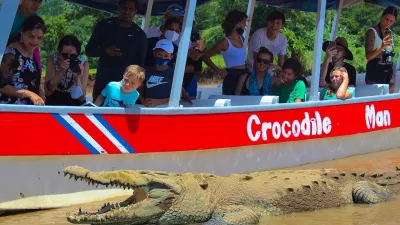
point(259, 39)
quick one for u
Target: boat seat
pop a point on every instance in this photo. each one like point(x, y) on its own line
point(207, 91)
point(237, 100)
point(363, 90)
point(209, 103)
point(307, 98)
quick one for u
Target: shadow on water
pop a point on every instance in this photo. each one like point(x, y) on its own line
point(19, 212)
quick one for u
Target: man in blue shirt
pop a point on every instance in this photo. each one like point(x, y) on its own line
point(118, 42)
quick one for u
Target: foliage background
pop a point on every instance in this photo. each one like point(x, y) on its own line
point(64, 18)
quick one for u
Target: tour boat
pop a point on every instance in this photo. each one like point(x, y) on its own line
point(217, 134)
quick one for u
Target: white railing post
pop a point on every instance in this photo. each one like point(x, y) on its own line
point(250, 11)
point(319, 35)
point(146, 18)
point(180, 65)
point(335, 22)
point(7, 14)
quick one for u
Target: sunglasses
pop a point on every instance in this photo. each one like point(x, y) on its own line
point(265, 61)
point(67, 56)
point(182, 11)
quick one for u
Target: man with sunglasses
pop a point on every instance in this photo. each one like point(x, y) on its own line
point(119, 43)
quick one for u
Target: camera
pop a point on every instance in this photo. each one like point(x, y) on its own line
point(387, 57)
point(74, 65)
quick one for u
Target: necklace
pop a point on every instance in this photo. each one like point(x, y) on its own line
point(30, 54)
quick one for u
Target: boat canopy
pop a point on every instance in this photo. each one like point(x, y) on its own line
point(312, 5)
point(160, 6)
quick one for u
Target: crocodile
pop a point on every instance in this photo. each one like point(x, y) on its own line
point(199, 198)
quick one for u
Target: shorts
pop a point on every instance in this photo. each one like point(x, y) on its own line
point(231, 79)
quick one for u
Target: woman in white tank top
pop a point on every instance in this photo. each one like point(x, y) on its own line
point(232, 49)
point(378, 47)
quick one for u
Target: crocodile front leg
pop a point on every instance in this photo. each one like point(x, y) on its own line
point(365, 192)
point(234, 215)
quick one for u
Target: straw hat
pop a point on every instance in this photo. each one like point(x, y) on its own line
point(341, 41)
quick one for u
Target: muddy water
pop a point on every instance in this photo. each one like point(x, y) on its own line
point(380, 214)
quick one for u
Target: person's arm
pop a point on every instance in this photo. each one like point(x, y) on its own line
point(222, 45)
point(53, 77)
point(82, 80)
point(22, 93)
point(370, 52)
point(342, 92)
point(93, 46)
point(282, 53)
point(325, 64)
point(300, 92)
point(99, 100)
point(197, 50)
point(240, 84)
point(281, 60)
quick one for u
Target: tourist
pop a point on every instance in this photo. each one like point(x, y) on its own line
point(26, 8)
point(126, 46)
point(233, 51)
point(26, 78)
point(196, 48)
point(336, 52)
point(173, 10)
point(156, 88)
point(338, 87)
point(170, 31)
point(292, 90)
point(123, 93)
point(259, 81)
point(379, 50)
point(67, 74)
point(269, 37)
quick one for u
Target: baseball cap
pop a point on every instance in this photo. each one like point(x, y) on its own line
point(165, 45)
point(176, 10)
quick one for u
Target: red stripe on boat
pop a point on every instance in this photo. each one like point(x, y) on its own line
point(95, 133)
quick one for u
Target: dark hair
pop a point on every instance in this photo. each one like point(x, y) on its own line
point(264, 50)
point(231, 20)
point(34, 22)
point(70, 40)
point(123, 2)
point(171, 21)
point(391, 10)
point(30, 23)
point(276, 15)
point(293, 64)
